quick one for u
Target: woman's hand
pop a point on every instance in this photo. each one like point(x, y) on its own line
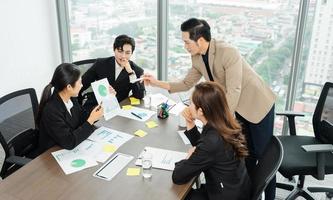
point(189, 118)
point(190, 152)
point(95, 114)
point(112, 90)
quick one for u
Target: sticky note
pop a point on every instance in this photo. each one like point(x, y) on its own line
point(127, 107)
point(140, 133)
point(151, 124)
point(134, 101)
point(133, 171)
point(108, 148)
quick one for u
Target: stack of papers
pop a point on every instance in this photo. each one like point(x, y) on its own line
point(101, 144)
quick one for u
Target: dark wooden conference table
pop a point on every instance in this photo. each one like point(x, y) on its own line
point(43, 178)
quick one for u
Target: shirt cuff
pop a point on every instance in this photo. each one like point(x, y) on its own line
point(132, 76)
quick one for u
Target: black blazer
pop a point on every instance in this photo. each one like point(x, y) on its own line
point(105, 68)
point(58, 126)
point(226, 176)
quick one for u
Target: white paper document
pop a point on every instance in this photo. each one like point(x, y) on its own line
point(136, 80)
point(101, 144)
point(109, 101)
point(100, 151)
point(158, 99)
point(111, 136)
point(73, 161)
point(162, 158)
point(183, 137)
point(136, 113)
point(177, 109)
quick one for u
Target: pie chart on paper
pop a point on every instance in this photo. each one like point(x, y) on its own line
point(102, 90)
point(78, 163)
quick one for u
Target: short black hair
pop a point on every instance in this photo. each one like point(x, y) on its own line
point(121, 40)
point(196, 28)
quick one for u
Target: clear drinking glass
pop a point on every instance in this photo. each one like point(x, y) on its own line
point(146, 101)
point(147, 165)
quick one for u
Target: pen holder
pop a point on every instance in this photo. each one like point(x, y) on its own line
point(162, 111)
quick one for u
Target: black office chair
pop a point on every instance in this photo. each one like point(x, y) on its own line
point(18, 111)
point(83, 66)
point(266, 168)
point(9, 163)
point(307, 155)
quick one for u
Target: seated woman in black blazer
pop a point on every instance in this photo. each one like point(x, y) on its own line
point(218, 151)
point(61, 119)
point(118, 69)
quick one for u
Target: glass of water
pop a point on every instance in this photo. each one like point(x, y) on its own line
point(147, 164)
point(146, 101)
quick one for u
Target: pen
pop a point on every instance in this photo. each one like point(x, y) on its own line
point(136, 115)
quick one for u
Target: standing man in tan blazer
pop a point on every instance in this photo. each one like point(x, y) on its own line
point(248, 96)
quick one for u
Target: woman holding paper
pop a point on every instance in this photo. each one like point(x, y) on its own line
point(218, 152)
point(61, 119)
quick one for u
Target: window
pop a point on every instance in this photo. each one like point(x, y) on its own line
point(313, 75)
point(95, 24)
point(263, 31)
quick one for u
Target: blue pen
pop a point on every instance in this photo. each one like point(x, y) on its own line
point(136, 115)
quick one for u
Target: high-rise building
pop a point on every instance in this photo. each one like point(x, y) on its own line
point(319, 67)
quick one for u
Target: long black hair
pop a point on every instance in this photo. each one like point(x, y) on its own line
point(65, 74)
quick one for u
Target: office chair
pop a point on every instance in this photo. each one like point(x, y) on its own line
point(266, 168)
point(307, 155)
point(83, 66)
point(18, 111)
point(9, 163)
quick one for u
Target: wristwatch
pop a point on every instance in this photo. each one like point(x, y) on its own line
point(131, 73)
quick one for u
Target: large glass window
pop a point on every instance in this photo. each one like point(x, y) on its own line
point(94, 24)
point(317, 62)
point(263, 31)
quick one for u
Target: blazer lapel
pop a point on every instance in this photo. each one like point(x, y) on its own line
point(211, 56)
point(112, 71)
point(67, 115)
point(123, 74)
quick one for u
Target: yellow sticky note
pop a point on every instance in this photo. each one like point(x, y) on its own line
point(133, 171)
point(127, 107)
point(109, 148)
point(151, 124)
point(134, 101)
point(140, 133)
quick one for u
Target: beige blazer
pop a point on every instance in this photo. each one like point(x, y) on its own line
point(246, 92)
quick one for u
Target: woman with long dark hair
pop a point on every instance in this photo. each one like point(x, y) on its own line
point(218, 152)
point(61, 119)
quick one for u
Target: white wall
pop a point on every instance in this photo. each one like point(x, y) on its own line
point(29, 44)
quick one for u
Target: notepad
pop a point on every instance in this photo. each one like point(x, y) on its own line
point(127, 107)
point(140, 133)
point(151, 124)
point(134, 101)
point(112, 167)
point(133, 171)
